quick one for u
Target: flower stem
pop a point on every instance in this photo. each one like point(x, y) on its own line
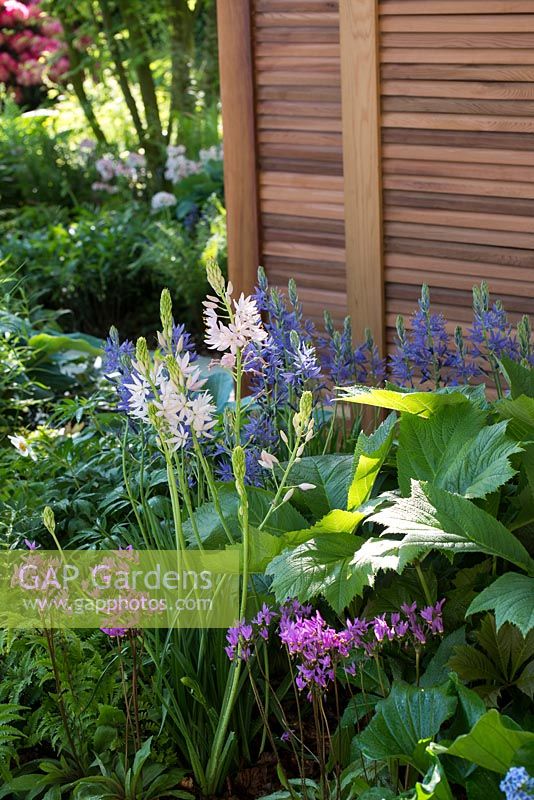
point(175, 502)
point(213, 489)
point(423, 582)
point(231, 695)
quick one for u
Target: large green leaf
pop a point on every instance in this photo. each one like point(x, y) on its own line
point(492, 743)
point(331, 476)
point(337, 566)
point(211, 530)
point(456, 451)
point(403, 720)
point(424, 404)
point(520, 379)
point(520, 412)
point(336, 521)
point(433, 785)
point(511, 598)
point(320, 566)
point(371, 452)
point(46, 344)
point(432, 518)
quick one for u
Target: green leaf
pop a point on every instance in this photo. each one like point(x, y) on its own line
point(424, 404)
point(492, 743)
point(454, 450)
point(211, 530)
point(520, 412)
point(437, 670)
point(320, 566)
point(407, 716)
point(433, 785)
point(331, 476)
point(370, 453)
point(336, 521)
point(48, 344)
point(483, 785)
point(432, 518)
point(511, 598)
point(520, 379)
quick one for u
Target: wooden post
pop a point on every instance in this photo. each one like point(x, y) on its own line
point(360, 91)
point(239, 138)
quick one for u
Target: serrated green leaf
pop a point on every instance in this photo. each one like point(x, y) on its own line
point(520, 412)
point(492, 743)
point(454, 450)
point(511, 598)
point(520, 379)
point(370, 453)
point(424, 404)
point(432, 518)
point(320, 566)
point(405, 718)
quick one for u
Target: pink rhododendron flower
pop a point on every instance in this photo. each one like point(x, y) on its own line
point(15, 10)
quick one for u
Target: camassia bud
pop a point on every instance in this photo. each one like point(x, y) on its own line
point(215, 277)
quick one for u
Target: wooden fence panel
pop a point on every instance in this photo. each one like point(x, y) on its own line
point(458, 152)
point(373, 145)
point(299, 149)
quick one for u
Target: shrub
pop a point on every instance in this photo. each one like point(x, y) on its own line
point(107, 266)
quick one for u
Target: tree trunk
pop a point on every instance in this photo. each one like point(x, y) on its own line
point(139, 50)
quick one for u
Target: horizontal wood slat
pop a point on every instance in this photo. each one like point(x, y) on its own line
point(465, 89)
point(458, 41)
point(467, 155)
point(495, 171)
point(458, 122)
point(457, 23)
point(465, 55)
point(455, 7)
point(449, 105)
point(466, 219)
point(458, 186)
point(458, 72)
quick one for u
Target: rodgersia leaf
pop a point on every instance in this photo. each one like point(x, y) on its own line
point(511, 598)
point(519, 378)
point(319, 566)
point(456, 451)
point(370, 453)
point(434, 519)
point(424, 404)
point(337, 566)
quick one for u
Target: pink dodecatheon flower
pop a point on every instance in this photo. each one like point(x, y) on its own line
point(319, 650)
point(115, 632)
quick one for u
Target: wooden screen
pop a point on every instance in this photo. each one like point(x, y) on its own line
point(299, 149)
point(438, 104)
point(457, 86)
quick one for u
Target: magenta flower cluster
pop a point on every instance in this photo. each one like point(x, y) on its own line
point(318, 649)
point(30, 48)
